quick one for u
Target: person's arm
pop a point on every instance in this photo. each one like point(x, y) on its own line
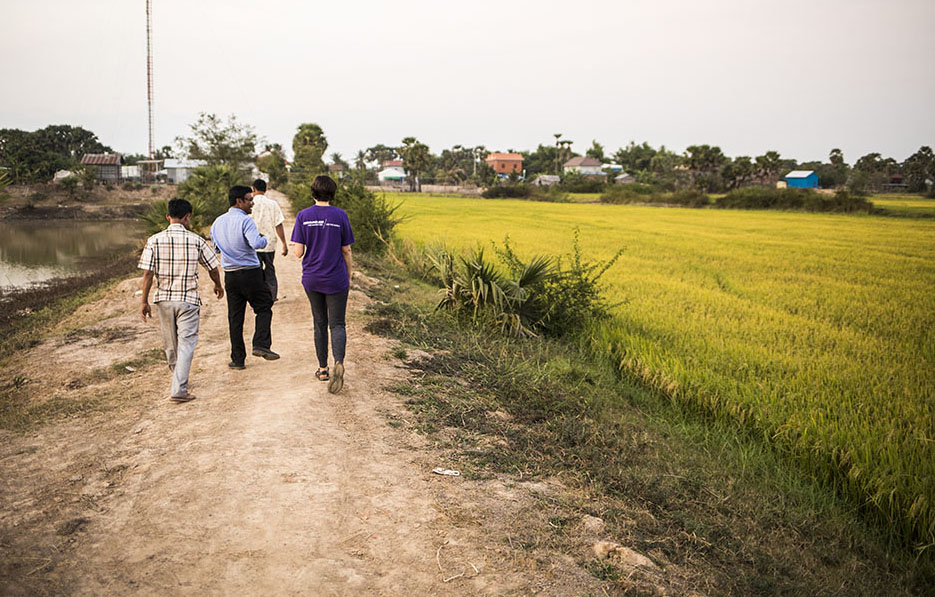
point(253, 236)
point(216, 278)
point(298, 249)
point(348, 260)
point(145, 309)
point(282, 236)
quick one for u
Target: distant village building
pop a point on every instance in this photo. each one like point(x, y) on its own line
point(178, 171)
point(393, 171)
point(624, 178)
point(584, 165)
point(801, 179)
point(106, 165)
point(336, 171)
point(546, 180)
point(131, 173)
point(505, 164)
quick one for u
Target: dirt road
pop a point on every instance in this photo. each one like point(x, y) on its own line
point(264, 485)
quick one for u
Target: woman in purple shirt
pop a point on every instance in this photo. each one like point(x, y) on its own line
point(322, 238)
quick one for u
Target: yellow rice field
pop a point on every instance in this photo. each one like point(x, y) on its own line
point(817, 331)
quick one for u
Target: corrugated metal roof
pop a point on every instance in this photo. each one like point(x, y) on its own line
point(799, 174)
point(175, 163)
point(101, 159)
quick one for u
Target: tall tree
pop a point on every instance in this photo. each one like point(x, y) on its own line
point(219, 142)
point(919, 168)
point(308, 147)
point(380, 153)
point(635, 158)
point(705, 163)
point(416, 160)
point(596, 151)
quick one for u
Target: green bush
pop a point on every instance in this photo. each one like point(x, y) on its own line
point(554, 296)
point(206, 189)
point(794, 199)
point(508, 190)
point(633, 193)
point(522, 190)
point(575, 182)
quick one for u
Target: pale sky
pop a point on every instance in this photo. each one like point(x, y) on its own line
point(800, 77)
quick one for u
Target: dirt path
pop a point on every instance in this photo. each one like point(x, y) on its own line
point(266, 484)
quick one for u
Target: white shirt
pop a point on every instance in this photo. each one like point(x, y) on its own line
point(267, 215)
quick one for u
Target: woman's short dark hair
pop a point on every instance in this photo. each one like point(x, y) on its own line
point(179, 208)
point(323, 188)
point(260, 185)
point(237, 192)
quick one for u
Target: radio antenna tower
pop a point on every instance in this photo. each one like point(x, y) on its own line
point(149, 72)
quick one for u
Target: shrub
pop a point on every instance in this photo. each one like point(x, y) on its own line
point(508, 190)
point(688, 198)
point(794, 199)
point(575, 182)
point(206, 189)
point(632, 193)
point(522, 190)
point(523, 298)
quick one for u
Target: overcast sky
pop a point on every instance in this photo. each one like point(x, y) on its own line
point(800, 77)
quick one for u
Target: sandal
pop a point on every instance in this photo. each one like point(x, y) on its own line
point(322, 374)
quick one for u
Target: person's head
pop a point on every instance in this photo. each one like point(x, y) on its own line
point(259, 186)
point(241, 197)
point(180, 212)
point(323, 188)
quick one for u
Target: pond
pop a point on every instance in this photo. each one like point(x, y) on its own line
point(35, 251)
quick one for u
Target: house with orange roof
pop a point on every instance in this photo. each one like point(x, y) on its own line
point(505, 163)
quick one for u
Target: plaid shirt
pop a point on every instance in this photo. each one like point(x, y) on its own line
point(173, 256)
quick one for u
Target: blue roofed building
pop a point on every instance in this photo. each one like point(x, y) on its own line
point(801, 179)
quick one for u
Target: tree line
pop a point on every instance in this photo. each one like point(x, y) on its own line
point(28, 157)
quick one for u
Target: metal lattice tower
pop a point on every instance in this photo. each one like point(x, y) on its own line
point(149, 72)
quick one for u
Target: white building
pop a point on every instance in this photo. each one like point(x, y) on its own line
point(584, 165)
point(178, 171)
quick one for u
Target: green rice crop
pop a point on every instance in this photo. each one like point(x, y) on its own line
point(816, 331)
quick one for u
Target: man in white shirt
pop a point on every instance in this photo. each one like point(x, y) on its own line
point(268, 218)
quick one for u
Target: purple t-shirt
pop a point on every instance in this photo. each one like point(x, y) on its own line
point(323, 229)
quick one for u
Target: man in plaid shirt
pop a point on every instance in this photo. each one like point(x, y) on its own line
point(172, 257)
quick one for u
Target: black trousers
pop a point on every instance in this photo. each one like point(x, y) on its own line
point(328, 312)
point(247, 286)
point(269, 271)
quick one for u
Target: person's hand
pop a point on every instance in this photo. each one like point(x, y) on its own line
point(285, 251)
point(145, 311)
point(219, 291)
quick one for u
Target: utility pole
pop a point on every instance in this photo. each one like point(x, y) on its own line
point(149, 72)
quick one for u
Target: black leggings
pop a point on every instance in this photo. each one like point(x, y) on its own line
point(328, 312)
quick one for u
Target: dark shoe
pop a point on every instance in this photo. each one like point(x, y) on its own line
point(322, 374)
point(266, 353)
point(234, 365)
point(186, 398)
point(337, 380)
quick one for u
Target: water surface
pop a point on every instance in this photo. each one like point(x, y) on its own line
point(35, 251)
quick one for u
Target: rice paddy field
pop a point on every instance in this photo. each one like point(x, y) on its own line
point(816, 331)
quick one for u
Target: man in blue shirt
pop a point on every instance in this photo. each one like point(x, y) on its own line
point(236, 238)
